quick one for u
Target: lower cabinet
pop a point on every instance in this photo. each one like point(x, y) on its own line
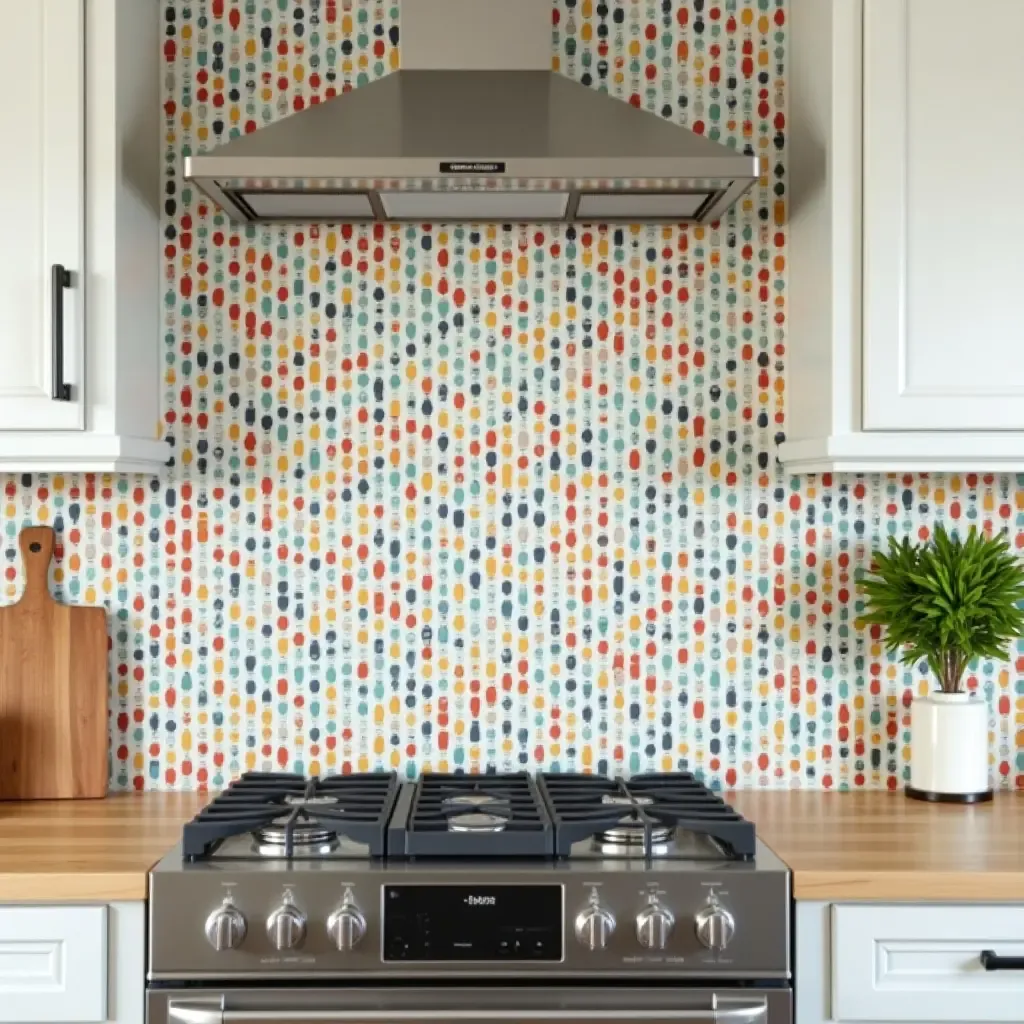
point(83, 964)
point(890, 963)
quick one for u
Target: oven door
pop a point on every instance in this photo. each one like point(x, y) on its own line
point(472, 1005)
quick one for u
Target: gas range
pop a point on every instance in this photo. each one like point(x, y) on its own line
point(463, 880)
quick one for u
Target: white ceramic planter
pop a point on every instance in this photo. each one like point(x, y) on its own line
point(949, 748)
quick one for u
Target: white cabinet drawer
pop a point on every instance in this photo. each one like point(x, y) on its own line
point(53, 964)
point(923, 964)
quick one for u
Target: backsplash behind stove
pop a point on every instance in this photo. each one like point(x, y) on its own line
point(462, 497)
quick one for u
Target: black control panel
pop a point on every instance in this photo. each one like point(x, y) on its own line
point(424, 923)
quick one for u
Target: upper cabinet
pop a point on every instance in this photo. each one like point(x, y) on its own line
point(906, 346)
point(42, 177)
point(79, 256)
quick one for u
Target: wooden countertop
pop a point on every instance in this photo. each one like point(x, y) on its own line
point(68, 850)
point(882, 846)
point(840, 846)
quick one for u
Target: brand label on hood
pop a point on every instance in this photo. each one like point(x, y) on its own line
point(473, 167)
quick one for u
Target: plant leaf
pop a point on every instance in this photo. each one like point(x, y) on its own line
point(946, 602)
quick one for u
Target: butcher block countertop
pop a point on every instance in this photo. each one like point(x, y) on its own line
point(882, 846)
point(840, 846)
point(61, 851)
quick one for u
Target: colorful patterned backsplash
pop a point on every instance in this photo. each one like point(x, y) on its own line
point(458, 496)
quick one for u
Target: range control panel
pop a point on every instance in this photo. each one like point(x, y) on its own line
point(412, 921)
point(433, 923)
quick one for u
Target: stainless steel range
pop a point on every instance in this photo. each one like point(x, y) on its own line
point(475, 898)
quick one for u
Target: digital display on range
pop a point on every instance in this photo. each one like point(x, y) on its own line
point(510, 923)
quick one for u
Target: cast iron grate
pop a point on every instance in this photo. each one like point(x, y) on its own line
point(354, 807)
point(673, 799)
point(489, 815)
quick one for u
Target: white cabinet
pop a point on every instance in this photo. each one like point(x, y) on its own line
point(80, 190)
point(43, 202)
point(943, 216)
point(907, 963)
point(905, 349)
point(81, 964)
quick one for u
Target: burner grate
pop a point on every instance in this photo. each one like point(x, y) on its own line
point(585, 806)
point(491, 815)
point(354, 807)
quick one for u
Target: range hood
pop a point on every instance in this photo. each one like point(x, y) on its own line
point(474, 127)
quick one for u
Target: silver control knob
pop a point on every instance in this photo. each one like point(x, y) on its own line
point(346, 927)
point(225, 927)
point(286, 927)
point(715, 927)
point(654, 926)
point(594, 926)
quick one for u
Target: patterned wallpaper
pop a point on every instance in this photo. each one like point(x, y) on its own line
point(460, 496)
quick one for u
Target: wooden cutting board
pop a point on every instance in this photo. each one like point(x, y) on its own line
point(53, 688)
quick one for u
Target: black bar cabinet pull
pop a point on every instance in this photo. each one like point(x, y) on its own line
point(61, 280)
point(991, 961)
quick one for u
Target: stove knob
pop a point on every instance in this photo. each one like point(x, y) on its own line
point(225, 928)
point(594, 926)
point(654, 926)
point(346, 927)
point(286, 927)
point(715, 927)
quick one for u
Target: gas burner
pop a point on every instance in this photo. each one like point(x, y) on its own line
point(301, 800)
point(301, 839)
point(626, 800)
point(477, 823)
point(629, 838)
point(474, 800)
point(476, 812)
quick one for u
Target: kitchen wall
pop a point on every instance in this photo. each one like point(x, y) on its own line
point(455, 497)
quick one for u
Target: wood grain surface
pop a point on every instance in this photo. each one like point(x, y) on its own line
point(92, 850)
point(882, 846)
point(53, 688)
point(840, 846)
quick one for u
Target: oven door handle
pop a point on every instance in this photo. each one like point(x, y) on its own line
point(720, 1012)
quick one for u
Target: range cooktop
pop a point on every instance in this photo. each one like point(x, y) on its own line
point(542, 875)
point(657, 816)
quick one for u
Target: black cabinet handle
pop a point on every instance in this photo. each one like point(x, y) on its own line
point(991, 961)
point(61, 280)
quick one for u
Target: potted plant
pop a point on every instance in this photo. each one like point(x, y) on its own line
point(946, 603)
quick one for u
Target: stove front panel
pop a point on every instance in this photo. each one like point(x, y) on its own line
point(604, 913)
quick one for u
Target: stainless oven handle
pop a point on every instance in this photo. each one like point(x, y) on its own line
point(720, 1012)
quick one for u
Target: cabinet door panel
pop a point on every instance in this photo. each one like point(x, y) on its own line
point(42, 211)
point(922, 964)
point(943, 215)
point(53, 964)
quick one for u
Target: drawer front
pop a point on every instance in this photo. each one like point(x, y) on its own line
point(53, 964)
point(913, 963)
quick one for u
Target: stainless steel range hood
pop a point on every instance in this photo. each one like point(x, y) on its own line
point(475, 127)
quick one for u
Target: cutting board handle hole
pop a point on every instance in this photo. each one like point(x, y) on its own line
point(35, 547)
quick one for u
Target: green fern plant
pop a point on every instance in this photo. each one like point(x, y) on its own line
point(947, 601)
